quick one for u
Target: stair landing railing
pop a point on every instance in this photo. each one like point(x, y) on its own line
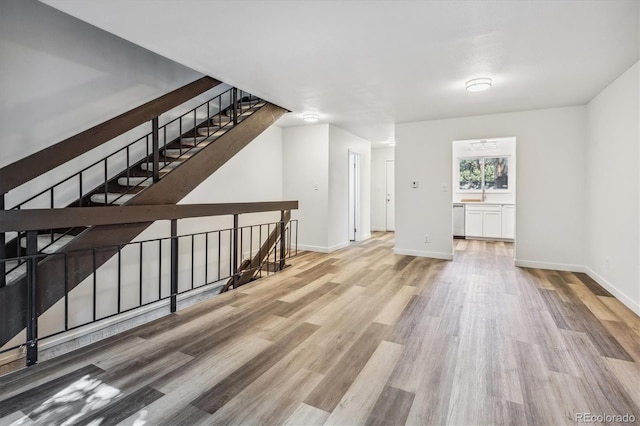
point(219, 262)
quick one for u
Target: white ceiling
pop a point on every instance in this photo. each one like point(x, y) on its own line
point(366, 65)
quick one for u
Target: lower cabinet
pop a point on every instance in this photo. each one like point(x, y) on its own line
point(492, 224)
point(490, 221)
point(473, 223)
point(508, 221)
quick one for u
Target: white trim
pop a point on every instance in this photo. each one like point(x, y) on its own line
point(623, 298)
point(378, 229)
point(365, 236)
point(418, 253)
point(338, 246)
point(548, 265)
point(318, 249)
point(321, 249)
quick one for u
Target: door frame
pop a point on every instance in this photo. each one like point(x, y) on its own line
point(353, 203)
point(386, 196)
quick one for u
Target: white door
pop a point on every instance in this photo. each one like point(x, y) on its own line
point(354, 195)
point(391, 196)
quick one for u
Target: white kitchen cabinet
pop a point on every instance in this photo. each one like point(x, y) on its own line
point(492, 224)
point(473, 223)
point(487, 221)
point(508, 221)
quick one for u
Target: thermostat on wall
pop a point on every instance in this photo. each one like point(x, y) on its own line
point(414, 183)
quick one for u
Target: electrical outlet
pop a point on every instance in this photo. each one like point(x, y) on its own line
point(427, 239)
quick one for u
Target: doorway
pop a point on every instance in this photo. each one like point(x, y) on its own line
point(391, 196)
point(354, 195)
point(484, 194)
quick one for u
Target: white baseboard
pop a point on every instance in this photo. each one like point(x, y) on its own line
point(338, 246)
point(323, 249)
point(418, 253)
point(365, 237)
point(378, 229)
point(626, 300)
point(318, 249)
point(548, 265)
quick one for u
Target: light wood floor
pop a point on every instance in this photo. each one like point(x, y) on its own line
point(360, 336)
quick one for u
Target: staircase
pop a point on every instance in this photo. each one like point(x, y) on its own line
point(161, 177)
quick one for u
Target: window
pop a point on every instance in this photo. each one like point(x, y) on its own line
point(490, 173)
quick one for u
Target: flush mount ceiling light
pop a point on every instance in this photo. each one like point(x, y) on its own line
point(311, 118)
point(478, 84)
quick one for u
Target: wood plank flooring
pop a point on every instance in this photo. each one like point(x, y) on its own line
point(359, 336)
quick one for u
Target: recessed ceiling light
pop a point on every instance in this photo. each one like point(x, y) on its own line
point(478, 84)
point(311, 118)
point(391, 143)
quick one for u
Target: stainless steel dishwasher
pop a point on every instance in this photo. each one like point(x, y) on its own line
point(458, 220)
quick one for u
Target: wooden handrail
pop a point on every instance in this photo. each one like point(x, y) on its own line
point(36, 219)
point(36, 164)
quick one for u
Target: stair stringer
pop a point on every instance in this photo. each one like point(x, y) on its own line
point(169, 190)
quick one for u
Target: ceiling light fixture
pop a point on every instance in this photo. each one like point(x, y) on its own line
point(311, 118)
point(478, 84)
point(391, 143)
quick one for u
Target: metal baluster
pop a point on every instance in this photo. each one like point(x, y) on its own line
point(128, 169)
point(192, 261)
point(260, 249)
point(156, 150)
point(235, 251)
point(140, 281)
point(3, 250)
point(32, 310)
point(235, 106)
point(174, 265)
point(95, 284)
point(206, 258)
point(282, 240)
point(80, 184)
point(159, 269)
point(119, 277)
point(66, 290)
point(106, 178)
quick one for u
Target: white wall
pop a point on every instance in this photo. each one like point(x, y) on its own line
point(340, 143)
point(60, 76)
point(379, 158)
point(550, 183)
point(315, 172)
point(305, 177)
point(613, 191)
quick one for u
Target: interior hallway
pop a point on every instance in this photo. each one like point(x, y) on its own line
point(359, 336)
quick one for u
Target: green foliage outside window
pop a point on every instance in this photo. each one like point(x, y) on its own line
point(493, 173)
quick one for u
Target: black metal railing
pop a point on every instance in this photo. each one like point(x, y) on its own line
point(143, 273)
point(220, 114)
